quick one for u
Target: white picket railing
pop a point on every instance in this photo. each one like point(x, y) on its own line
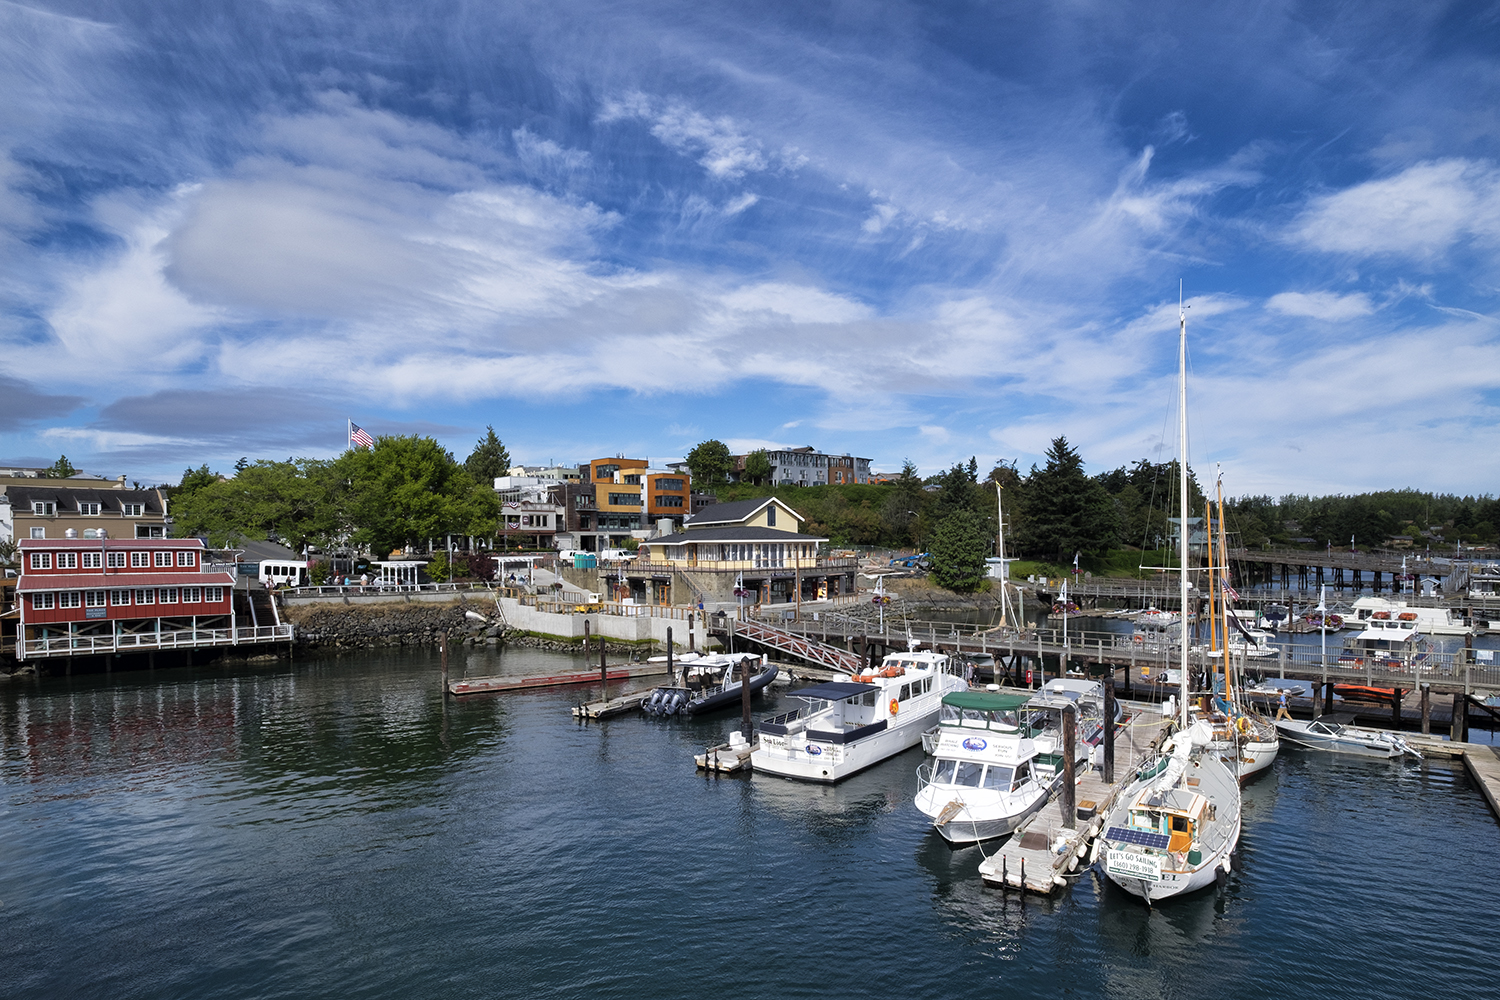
point(77, 645)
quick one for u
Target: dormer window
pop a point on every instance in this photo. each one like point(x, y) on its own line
point(43, 508)
point(131, 509)
point(88, 509)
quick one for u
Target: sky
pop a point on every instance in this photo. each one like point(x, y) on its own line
point(899, 230)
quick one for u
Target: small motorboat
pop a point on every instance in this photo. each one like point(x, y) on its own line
point(710, 682)
point(1333, 733)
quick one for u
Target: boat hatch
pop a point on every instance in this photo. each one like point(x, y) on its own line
point(1182, 834)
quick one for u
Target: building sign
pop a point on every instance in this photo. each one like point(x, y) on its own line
point(95, 612)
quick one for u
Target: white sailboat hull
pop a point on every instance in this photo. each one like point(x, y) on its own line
point(1162, 884)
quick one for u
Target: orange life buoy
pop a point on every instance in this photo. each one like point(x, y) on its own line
point(895, 706)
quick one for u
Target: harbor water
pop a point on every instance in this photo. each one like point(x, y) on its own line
point(332, 828)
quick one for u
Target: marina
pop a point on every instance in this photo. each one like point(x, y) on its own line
point(302, 795)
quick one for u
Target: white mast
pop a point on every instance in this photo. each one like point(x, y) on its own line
point(1004, 576)
point(1182, 494)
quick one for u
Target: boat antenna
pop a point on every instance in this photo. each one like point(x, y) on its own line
point(1182, 497)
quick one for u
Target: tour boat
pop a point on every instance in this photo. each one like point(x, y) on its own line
point(857, 721)
point(984, 780)
point(1333, 733)
point(710, 682)
point(1387, 642)
point(1172, 831)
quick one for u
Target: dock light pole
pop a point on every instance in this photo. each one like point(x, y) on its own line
point(1323, 630)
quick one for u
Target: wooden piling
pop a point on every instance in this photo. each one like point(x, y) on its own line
point(671, 674)
point(603, 670)
point(1396, 694)
point(1459, 731)
point(692, 637)
point(1109, 726)
point(1327, 698)
point(1426, 709)
point(585, 640)
point(745, 725)
point(1067, 795)
point(443, 649)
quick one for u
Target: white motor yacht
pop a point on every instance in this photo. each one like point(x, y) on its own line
point(852, 723)
point(1428, 621)
point(983, 782)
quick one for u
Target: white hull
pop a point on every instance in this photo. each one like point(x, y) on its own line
point(1177, 883)
point(826, 763)
point(985, 814)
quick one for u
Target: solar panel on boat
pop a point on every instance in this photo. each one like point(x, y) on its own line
point(1143, 837)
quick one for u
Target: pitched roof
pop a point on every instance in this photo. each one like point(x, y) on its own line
point(70, 496)
point(737, 511)
point(732, 533)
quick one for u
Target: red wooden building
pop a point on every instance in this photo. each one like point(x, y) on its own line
point(82, 596)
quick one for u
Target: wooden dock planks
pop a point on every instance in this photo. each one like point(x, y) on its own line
point(1483, 763)
point(726, 759)
point(489, 685)
point(1030, 860)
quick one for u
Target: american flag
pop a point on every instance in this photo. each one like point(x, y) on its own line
point(359, 436)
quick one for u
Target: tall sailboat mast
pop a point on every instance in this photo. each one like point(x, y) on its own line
point(1182, 497)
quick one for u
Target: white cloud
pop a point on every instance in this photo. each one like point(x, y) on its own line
point(1419, 213)
point(738, 205)
point(1328, 306)
point(721, 144)
point(798, 303)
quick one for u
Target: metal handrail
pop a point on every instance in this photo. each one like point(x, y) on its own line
point(155, 640)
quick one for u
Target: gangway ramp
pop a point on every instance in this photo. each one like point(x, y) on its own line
point(810, 650)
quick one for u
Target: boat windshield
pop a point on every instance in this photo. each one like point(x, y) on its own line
point(998, 777)
point(971, 774)
point(955, 716)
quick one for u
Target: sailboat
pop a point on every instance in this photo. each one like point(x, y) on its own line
point(1173, 829)
point(1241, 734)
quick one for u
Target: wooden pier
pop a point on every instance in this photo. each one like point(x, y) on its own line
point(1040, 855)
point(1483, 763)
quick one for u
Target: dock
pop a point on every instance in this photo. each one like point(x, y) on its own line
point(595, 710)
point(1042, 852)
point(726, 758)
point(490, 685)
point(1480, 759)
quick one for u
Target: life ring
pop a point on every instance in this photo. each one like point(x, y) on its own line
point(1140, 640)
point(895, 706)
point(1243, 724)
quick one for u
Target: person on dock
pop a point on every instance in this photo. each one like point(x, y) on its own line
point(1281, 712)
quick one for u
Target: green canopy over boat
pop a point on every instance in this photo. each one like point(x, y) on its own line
point(986, 701)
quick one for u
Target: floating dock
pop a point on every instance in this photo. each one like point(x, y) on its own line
point(489, 685)
point(1040, 855)
point(726, 758)
point(613, 706)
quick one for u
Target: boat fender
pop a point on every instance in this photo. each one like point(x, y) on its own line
point(895, 706)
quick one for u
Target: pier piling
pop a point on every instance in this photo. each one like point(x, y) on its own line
point(745, 724)
point(1068, 795)
point(1109, 726)
point(603, 670)
point(1426, 709)
point(671, 674)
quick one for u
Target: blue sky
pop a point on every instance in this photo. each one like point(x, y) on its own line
point(925, 230)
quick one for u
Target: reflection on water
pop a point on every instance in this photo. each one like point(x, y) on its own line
point(332, 827)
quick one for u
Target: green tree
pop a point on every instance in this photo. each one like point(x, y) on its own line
point(60, 469)
point(296, 501)
point(758, 466)
point(959, 547)
point(488, 460)
point(193, 480)
point(1065, 511)
point(901, 513)
point(408, 490)
point(709, 463)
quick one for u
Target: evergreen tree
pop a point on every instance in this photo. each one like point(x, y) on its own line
point(489, 459)
point(901, 513)
point(1065, 511)
point(60, 469)
point(709, 463)
point(959, 548)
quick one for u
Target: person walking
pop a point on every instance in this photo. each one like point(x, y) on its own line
point(1281, 712)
